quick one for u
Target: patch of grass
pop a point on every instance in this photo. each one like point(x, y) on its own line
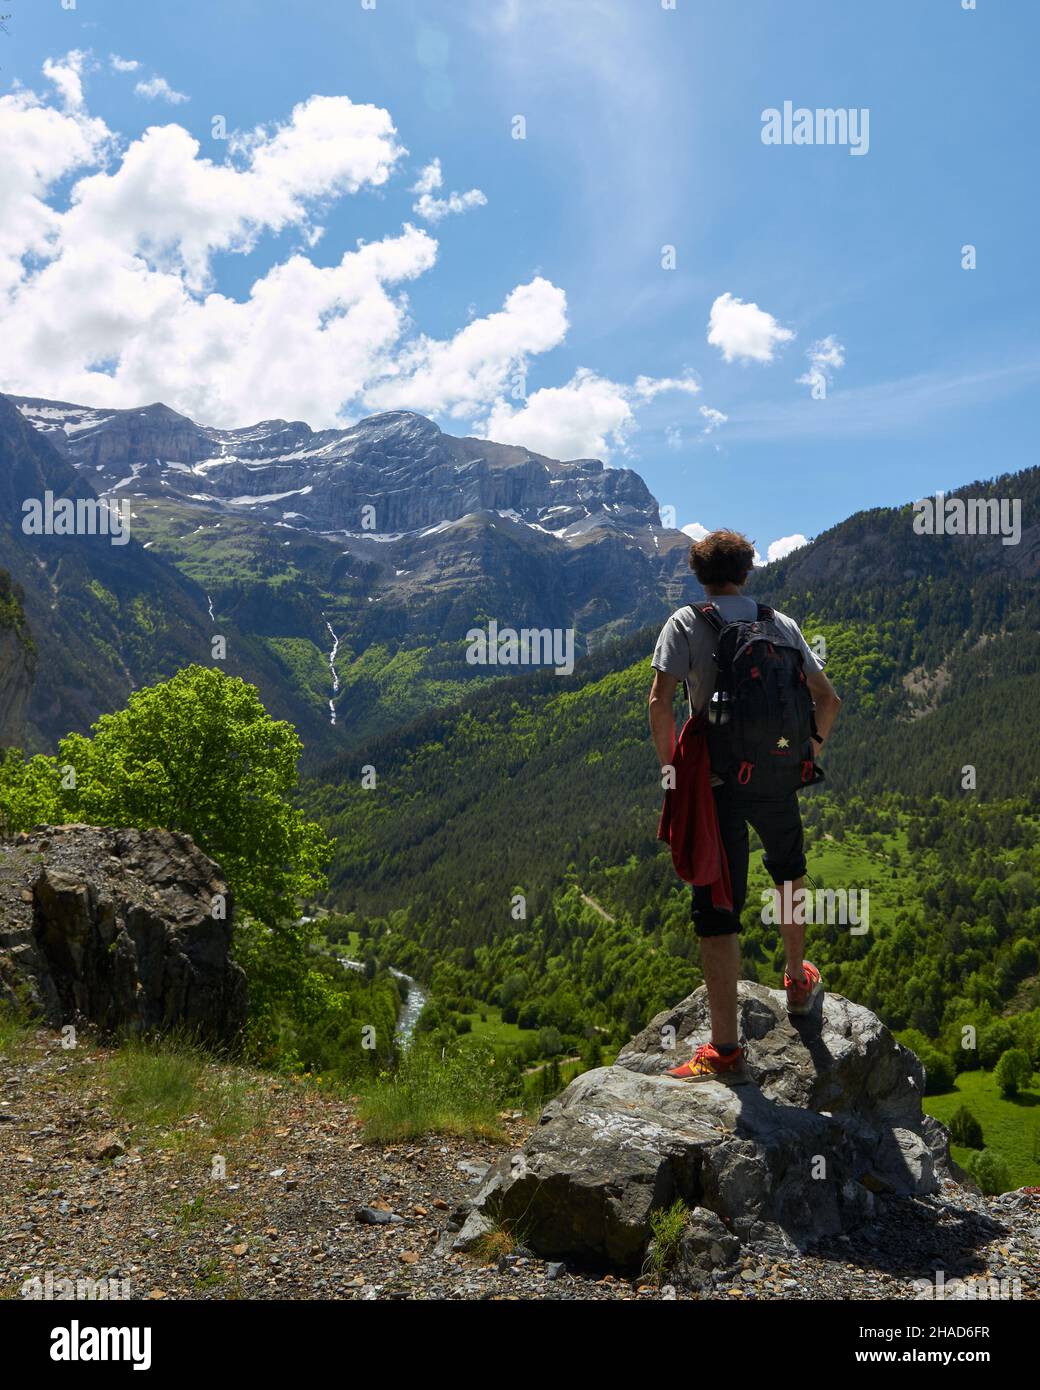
point(457, 1093)
point(211, 1274)
point(201, 1210)
point(502, 1238)
point(666, 1228)
point(14, 1029)
point(152, 1084)
point(1011, 1126)
point(156, 1087)
point(487, 1026)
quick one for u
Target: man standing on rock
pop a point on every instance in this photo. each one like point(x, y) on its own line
point(760, 708)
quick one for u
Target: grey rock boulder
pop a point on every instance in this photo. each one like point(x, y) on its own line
point(706, 1245)
point(835, 1117)
point(117, 928)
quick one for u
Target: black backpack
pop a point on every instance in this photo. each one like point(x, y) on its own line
point(760, 716)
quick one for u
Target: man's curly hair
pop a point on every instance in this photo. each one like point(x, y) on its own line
point(723, 557)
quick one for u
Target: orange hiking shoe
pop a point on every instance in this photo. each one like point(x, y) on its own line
point(801, 996)
point(708, 1064)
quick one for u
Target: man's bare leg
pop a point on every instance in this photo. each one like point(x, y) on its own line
point(792, 931)
point(720, 963)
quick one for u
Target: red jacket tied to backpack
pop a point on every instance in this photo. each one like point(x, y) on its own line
point(689, 822)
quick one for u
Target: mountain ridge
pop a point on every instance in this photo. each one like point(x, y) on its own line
point(385, 543)
point(356, 631)
point(103, 619)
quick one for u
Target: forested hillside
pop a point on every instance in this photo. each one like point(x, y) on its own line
point(529, 798)
point(936, 639)
point(935, 649)
point(504, 850)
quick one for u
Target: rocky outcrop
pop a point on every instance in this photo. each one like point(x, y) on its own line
point(126, 929)
point(833, 1121)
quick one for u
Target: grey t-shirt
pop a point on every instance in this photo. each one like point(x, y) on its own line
point(684, 648)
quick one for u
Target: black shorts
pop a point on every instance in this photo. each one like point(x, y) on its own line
point(779, 825)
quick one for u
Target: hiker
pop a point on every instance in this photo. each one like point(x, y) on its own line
point(759, 714)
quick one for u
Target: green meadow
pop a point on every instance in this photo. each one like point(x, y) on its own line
point(1011, 1127)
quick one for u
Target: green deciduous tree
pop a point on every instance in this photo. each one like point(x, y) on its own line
point(938, 1071)
point(30, 791)
point(200, 754)
point(1014, 1071)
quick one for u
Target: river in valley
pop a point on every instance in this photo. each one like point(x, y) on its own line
point(414, 1002)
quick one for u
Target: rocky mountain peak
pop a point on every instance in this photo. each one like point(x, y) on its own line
point(398, 463)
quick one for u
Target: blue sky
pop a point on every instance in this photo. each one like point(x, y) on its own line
point(643, 130)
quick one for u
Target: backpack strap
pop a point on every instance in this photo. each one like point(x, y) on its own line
point(711, 615)
point(765, 613)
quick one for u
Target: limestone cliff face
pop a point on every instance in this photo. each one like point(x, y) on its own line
point(400, 465)
point(391, 532)
point(17, 665)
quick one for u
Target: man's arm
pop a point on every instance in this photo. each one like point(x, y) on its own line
point(662, 715)
point(827, 701)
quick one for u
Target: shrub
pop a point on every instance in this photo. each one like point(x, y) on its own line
point(200, 754)
point(990, 1172)
point(938, 1071)
point(965, 1129)
point(30, 791)
point(1013, 1071)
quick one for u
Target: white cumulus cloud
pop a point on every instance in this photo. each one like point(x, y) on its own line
point(39, 146)
point(712, 419)
point(647, 387)
point(158, 89)
point(108, 298)
point(433, 209)
point(589, 417)
point(778, 549)
point(430, 179)
point(461, 374)
point(109, 295)
point(67, 75)
point(123, 64)
point(825, 357)
point(744, 332)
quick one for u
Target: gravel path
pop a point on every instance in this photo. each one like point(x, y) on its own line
point(85, 1195)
